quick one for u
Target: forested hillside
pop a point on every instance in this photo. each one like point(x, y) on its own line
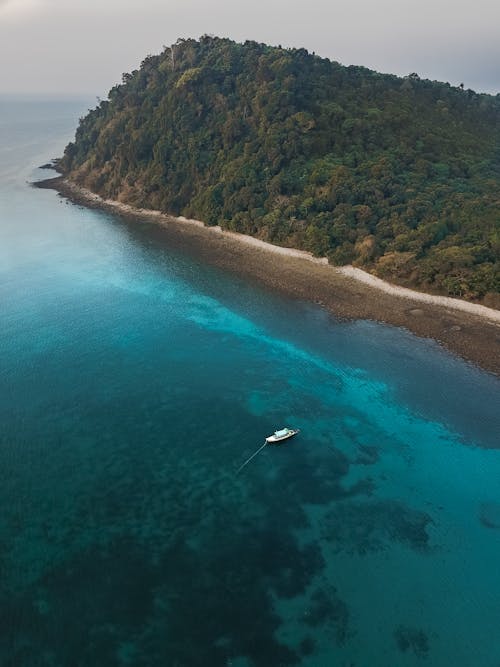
point(399, 176)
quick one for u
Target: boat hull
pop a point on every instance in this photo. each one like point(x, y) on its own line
point(277, 440)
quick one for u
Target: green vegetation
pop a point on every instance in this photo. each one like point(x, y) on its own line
point(399, 176)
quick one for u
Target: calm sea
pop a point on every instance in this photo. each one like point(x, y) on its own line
point(135, 381)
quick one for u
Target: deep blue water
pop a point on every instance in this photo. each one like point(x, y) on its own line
point(133, 383)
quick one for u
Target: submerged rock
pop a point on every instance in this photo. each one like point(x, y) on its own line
point(489, 515)
point(412, 639)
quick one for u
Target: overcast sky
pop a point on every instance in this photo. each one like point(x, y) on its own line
point(84, 46)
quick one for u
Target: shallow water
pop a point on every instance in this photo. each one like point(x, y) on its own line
point(134, 382)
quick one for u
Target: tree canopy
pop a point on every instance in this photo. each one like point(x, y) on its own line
point(399, 176)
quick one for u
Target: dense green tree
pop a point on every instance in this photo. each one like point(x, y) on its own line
point(400, 176)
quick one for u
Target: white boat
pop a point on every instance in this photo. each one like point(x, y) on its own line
point(283, 434)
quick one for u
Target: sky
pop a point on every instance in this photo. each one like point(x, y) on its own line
point(73, 47)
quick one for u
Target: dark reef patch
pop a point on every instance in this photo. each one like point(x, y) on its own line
point(306, 646)
point(367, 455)
point(308, 482)
point(189, 608)
point(412, 639)
point(326, 608)
point(361, 527)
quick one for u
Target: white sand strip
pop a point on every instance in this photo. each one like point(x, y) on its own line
point(445, 301)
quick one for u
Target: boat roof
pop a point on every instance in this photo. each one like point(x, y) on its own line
point(283, 431)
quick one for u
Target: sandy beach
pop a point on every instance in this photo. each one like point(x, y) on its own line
point(467, 329)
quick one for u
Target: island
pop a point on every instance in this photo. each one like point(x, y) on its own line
point(300, 167)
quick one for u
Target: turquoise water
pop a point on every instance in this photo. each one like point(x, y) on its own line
point(133, 383)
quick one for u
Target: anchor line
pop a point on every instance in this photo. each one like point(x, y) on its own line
point(251, 457)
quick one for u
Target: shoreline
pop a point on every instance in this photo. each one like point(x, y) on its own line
point(470, 330)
